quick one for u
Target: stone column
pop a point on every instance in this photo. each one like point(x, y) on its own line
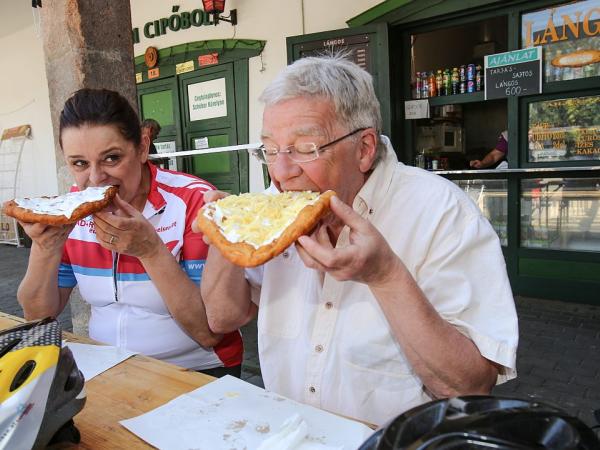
point(86, 44)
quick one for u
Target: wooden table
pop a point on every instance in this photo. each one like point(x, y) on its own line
point(133, 387)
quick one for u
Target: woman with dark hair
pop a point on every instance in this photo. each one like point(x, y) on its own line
point(137, 263)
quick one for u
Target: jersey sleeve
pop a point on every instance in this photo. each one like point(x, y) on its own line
point(195, 250)
point(66, 276)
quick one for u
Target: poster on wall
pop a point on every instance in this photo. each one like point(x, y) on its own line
point(564, 129)
point(207, 99)
point(570, 35)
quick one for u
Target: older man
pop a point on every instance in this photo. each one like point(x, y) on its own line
point(400, 296)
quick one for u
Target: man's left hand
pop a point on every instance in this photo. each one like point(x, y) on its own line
point(367, 258)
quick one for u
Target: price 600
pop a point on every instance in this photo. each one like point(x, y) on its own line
point(513, 90)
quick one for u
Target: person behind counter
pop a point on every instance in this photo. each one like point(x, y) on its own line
point(139, 266)
point(385, 306)
point(151, 127)
point(494, 156)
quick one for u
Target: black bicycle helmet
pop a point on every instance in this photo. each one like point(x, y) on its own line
point(483, 422)
point(41, 388)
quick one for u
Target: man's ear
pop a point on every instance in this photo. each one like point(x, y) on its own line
point(368, 149)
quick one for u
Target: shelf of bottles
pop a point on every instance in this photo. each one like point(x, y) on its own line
point(446, 83)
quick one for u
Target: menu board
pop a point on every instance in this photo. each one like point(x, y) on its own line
point(513, 73)
point(355, 48)
point(564, 129)
point(570, 36)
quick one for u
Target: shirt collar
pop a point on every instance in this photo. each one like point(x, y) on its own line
point(156, 201)
point(370, 196)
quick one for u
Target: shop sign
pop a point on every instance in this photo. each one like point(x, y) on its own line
point(570, 35)
point(165, 147)
point(201, 143)
point(184, 67)
point(512, 74)
point(355, 48)
point(416, 109)
point(138, 77)
point(175, 22)
point(208, 60)
point(566, 129)
point(207, 99)
point(154, 73)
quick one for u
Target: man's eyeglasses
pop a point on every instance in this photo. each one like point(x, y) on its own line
point(300, 153)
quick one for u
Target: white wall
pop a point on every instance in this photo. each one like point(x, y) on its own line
point(268, 20)
point(24, 100)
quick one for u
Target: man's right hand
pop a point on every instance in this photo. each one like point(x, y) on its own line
point(475, 164)
point(48, 238)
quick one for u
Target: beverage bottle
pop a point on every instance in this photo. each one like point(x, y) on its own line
point(447, 82)
point(439, 82)
point(462, 72)
point(478, 78)
point(455, 80)
point(418, 86)
point(432, 85)
point(424, 85)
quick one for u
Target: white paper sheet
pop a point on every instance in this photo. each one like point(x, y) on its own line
point(92, 360)
point(232, 414)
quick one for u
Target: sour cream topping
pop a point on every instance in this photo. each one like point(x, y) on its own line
point(63, 205)
point(257, 219)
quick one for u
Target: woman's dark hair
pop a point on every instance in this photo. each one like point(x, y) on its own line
point(100, 107)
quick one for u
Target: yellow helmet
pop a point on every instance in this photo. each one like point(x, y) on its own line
point(41, 388)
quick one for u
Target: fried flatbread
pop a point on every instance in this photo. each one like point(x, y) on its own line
point(251, 229)
point(579, 58)
point(63, 209)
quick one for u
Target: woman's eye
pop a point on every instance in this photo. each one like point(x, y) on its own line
point(79, 163)
point(112, 158)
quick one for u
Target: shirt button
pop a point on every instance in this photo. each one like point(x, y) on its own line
point(319, 348)
point(328, 305)
point(312, 389)
point(285, 255)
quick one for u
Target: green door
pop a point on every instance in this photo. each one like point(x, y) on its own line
point(159, 100)
point(208, 114)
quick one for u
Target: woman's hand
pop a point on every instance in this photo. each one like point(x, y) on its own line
point(126, 231)
point(48, 238)
point(367, 258)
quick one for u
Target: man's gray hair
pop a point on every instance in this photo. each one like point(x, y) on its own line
point(334, 78)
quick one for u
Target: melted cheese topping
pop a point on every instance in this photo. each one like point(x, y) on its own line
point(258, 219)
point(63, 205)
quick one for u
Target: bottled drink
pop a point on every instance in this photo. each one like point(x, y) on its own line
point(478, 78)
point(439, 82)
point(462, 73)
point(424, 85)
point(419, 85)
point(471, 72)
point(470, 86)
point(447, 82)
point(432, 85)
point(455, 80)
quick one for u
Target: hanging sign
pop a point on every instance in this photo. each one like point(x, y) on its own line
point(513, 73)
point(138, 77)
point(207, 99)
